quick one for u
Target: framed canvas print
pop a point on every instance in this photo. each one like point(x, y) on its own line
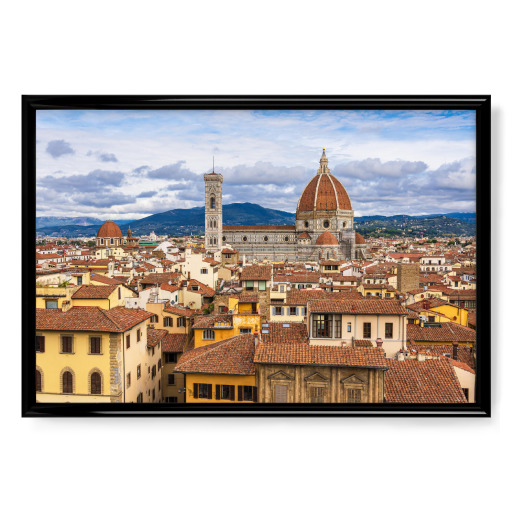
point(258, 255)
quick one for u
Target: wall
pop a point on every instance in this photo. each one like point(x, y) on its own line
point(227, 380)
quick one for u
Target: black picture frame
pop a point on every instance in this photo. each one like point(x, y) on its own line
point(481, 104)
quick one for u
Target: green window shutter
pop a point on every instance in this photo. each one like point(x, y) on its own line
point(217, 392)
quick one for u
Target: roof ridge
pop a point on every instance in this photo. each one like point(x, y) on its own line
point(211, 348)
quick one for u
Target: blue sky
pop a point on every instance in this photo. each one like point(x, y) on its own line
point(130, 164)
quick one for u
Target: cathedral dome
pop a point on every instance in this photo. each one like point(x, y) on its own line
point(360, 239)
point(324, 192)
point(109, 230)
point(327, 238)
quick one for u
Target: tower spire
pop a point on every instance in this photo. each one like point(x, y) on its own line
point(324, 169)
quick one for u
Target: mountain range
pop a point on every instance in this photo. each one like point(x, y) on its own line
point(183, 221)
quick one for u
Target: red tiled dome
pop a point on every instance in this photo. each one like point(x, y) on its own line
point(304, 236)
point(327, 238)
point(360, 239)
point(109, 230)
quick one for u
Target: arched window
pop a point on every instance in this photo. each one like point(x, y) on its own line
point(214, 223)
point(212, 202)
point(95, 383)
point(67, 382)
point(344, 224)
point(214, 241)
point(38, 381)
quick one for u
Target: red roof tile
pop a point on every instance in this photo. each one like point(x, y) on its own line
point(295, 332)
point(91, 291)
point(174, 342)
point(362, 306)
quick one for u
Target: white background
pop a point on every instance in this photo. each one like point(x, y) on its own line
point(370, 47)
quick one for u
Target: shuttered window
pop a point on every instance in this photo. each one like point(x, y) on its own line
point(281, 394)
point(354, 395)
point(138, 335)
point(67, 382)
point(203, 391)
point(262, 286)
point(38, 380)
point(247, 393)
point(95, 384)
point(167, 321)
point(208, 334)
point(317, 395)
point(39, 343)
point(389, 330)
point(170, 357)
point(66, 344)
point(95, 345)
point(367, 330)
point(227, 392)
point(127, 341)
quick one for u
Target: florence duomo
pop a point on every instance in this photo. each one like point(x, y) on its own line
point(324, 224)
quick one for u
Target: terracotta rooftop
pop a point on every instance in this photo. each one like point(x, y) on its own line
point(429, 381)
point(174, 342)
point(256, 272)
point(233, 356)
point(317, 355)
point(104, 279)
point(446, 332)
point(324, 192)
point(89, 318)
point(180, 311)
point(91, 291)
point(209, 321)
point(283, 332)
point(155, 336)
point(362, 306)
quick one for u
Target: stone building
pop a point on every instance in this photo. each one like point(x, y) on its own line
point(408, 277)
point(324, 225)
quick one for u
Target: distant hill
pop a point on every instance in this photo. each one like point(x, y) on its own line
point(44, 222)
point(183, 221)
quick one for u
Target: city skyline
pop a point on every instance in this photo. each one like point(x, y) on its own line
point(131, 164)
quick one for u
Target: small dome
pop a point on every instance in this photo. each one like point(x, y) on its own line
point(109, 230)
point(360, 239)
point(327, 238)
point(304, 236)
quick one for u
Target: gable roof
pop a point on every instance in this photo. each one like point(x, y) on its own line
point(174, 342)
point(429, 381)
point(296, 332)
point(256, 272)
point(446, 332)
point(233, 356)
point(89, 318)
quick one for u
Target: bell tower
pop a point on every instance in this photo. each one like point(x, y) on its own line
point(213, 211)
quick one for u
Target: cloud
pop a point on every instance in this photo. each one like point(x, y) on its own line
point(150, 193)
point(373, 167)
point(172, 172)
point(94, 181)
point(103, 157)
point(103, 200)
point(57, 148)
point(264, 173)
point(141, 170)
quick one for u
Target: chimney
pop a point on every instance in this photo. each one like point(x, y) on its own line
point(257, 338)
point(421, 356)
point(379, 342)
point(455, 349)
point(400, 356)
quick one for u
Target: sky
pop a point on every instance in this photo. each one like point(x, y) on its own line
point(133, 163)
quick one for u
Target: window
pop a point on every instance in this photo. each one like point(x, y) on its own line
point(337, 326)
point(262, 286)
point(159, 364)
point(245, 331)
point(119, 293)
point(322, 326)
point(138, 372)
point(171, 379)
point(367, 330)
point(52, 304)
point(244, 238)
point(278, 311)
point(102, 241)
point(431, 319)
point(212, 203)
point(249, 285)
point(224, 392)
point(153, 394)
point(39, 343)
point(195, 288)
point(171, 399)
point(127, 341)
point(306, 224)
point(79, 280)
point(66, 343)
point(466, 393)
point(208, 334)
point(293, 311)
point(326, 223)
point(316, 394)
point(167, 321)
point(138, 335)
point(111, 241)
point(128, 379)
point(223, 309)
point(410, 321)
point(349, 327)
point(247, 393)
point(95, 345)
point(95, 384)
point(354, 395)
point(204, 271)
point(38, 380)
point(170, 357)
point(203, 391)
point(388, 294)
point(388, 330)
point(286, 239)
point(67, 382)
point(280, 394)
point(153, 371)
point(154, 319)
point(181, 322)
point(140, 398)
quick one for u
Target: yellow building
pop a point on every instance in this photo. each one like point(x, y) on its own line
point(384, 291)
point(55, 297)
point(88, 354)
point(436, 310)
point(222, 372)
point(105, 296)
point(244, 319)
